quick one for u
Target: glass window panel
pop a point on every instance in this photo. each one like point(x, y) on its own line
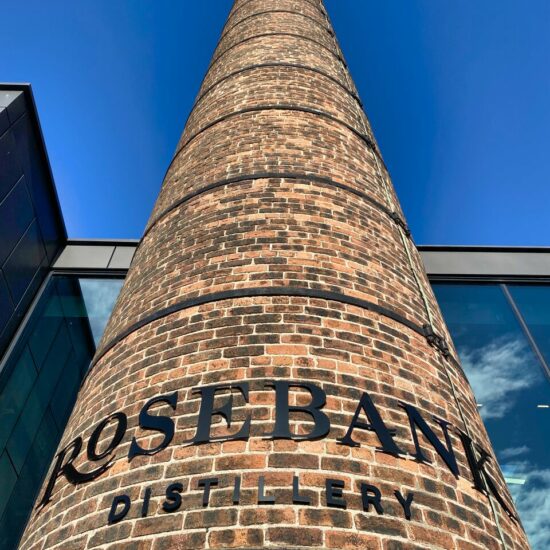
point(15, 393)
point(533, 302)
point(12, 522)
point(8, 478)
point(100, 296)
point(65, 393)
point(44, 445)
point(74, 312)
point(45, 329)
point(39, 382)
point(57, 357)
point(22, 437)
point(509, 385)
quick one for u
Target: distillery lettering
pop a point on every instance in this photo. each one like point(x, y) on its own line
point(334, 496)
point(365, 417)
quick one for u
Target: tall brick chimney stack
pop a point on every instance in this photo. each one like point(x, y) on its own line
point(275, 308)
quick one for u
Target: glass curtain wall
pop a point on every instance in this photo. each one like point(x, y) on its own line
point(502, 334)
point(39, 382)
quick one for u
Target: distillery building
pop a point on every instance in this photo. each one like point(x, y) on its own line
point(274, 363)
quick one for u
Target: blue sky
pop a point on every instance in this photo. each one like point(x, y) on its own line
point(457, 91)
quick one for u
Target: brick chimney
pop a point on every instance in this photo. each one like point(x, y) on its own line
point(276, 372)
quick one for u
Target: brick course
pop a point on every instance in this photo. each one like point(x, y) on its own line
point(278, 186)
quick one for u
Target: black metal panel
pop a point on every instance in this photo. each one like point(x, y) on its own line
point(24, 262)
point(16, 215)
point(13, 99)
point(40, 185)
point(10, 168)
point(32, 231)
point(6, 304)
point(4, 120)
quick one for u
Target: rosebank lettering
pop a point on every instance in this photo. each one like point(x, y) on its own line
point(366, 417)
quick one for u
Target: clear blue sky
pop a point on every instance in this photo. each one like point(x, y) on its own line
point(458, 93)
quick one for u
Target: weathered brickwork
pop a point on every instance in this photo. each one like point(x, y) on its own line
point(276, 251)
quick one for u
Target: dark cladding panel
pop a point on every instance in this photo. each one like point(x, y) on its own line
point(10, 168)
point(6, 305)
point(4, 120)
point(25, 263)
point(31, 226)
point(39, 184)
point(16, 214)
point(14, 101)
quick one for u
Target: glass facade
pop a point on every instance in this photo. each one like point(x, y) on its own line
point(39, 382)
point(501, 331)
point(502, 334)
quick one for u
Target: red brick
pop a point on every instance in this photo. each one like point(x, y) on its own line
point(277, 99)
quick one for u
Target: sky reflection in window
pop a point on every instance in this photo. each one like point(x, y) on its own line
point(99, 297)
point(510, 387)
